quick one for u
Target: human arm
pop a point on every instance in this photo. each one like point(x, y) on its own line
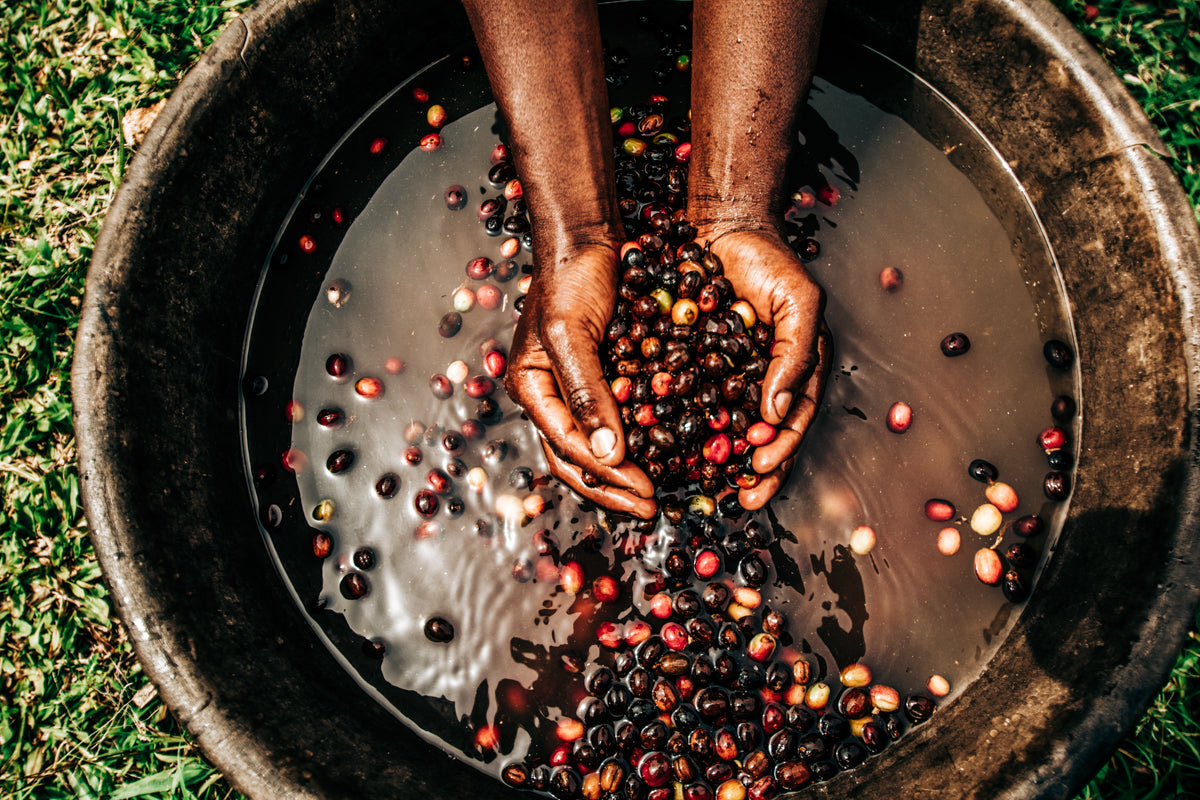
point(543, 58)
point(752, 63)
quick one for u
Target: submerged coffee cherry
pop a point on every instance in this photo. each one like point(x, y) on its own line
point(939, 510)
point(955, 344)
point(438, 630)
point(1063, 408)
point(330, 418)
point(1031, 525)
point(456, 197)
point(441, 387)
point(338, 365)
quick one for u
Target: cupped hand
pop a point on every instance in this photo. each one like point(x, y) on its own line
point(554, 374)
point(765, 271)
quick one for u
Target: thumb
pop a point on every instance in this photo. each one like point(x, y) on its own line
point(586, 394)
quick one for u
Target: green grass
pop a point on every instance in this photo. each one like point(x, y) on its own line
point(77, 718)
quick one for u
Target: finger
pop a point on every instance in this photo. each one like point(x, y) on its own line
point(566, 442)
point(611, 497)
point(766, 488)
point(794, 357)
point(586, 394)
point(800, 415)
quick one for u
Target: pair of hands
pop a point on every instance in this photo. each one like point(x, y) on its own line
point(555, 375)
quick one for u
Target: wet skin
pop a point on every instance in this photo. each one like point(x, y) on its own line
point(751, 65)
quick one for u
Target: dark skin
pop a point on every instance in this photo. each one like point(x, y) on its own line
point(548, 78)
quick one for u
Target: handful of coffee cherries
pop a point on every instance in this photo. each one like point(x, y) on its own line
point(686, 358)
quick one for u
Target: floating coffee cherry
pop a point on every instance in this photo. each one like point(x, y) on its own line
point(515, 775)
point(1057, 486)
point(337, 292)
point(426, 503)
point(1058, 354)
point(1002, 496)
point(955, 344)
point(294, 460)
point(899, 417)
point(987, 566)
point(807, 249)
point(293, 412)
point(354, 586)
point(1060, 460)
point(986, 520)
point(1031, 525)
point(370, 388)
point(387, 485)
point(430, 142)
point(450, 324)
point(983, 471)
point(339, 461)
point(438, 630)
point(918, 708)
point(338, 365)
point(1014, 587)
point(330, 418)
point(323, 511)
point(939, 510)
point(322, 544)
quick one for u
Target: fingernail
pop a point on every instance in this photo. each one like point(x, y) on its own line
point(603, 441)
point(783, 401)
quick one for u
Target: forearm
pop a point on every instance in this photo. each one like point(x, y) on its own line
point(751, 65)
point(544, 60)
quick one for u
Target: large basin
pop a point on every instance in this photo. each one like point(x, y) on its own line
point(172, 282)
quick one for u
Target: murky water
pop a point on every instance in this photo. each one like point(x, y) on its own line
point(971, 263)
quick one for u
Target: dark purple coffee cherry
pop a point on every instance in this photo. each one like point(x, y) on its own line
point(1063, 408)
point(955, 344)
point(1031, 525)
point(1014, 586)
point(438, 630)
point(354, 586)
point(339, 461)
point(983, 471)
point(1058, 354)
point(918, 708)
point(1057, 486)
point(450, 324)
